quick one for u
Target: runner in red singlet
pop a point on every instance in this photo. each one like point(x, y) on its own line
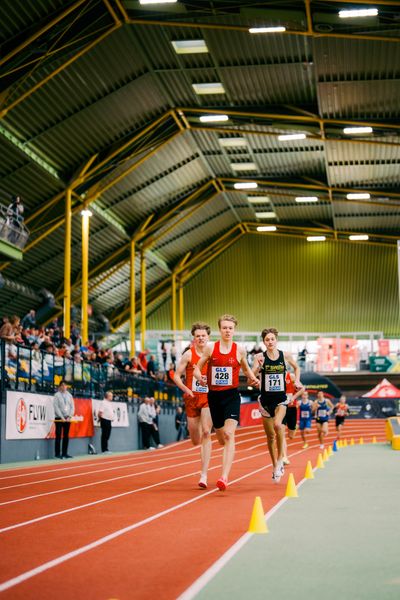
point(195, 396)
point(341, 411)
point(225, 358)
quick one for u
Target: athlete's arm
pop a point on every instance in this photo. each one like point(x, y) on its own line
point(180, 370)
point(289, 359)
point(298, 393)
point(314, 406)
point(200, 364)
point(258, 359)
point(251, 378)
point(329, 403)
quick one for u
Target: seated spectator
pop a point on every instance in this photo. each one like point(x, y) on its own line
point(151, 367)
point(9, 330)
point(171, 373)
point(118, 361)
point(29, 320)
point(133, 366)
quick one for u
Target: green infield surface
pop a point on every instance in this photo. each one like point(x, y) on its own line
point(339, 540)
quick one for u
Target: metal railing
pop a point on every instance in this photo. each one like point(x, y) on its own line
point(23, 368)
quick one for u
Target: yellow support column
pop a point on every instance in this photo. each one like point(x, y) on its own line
point(132, 328)
point(67, 264)
point(173, 302)
point(143, 298)
point(180, 305)
point(86, 214)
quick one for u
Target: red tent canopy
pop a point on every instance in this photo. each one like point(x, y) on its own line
point(384, 389)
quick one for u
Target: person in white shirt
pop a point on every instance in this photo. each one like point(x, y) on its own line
point(64, 409)
point(106, 416)
point(146, 416)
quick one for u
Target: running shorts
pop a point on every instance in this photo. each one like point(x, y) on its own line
point(268, 406)
point(305, 424)
point(339, 421)
point(224, 404)
point(290, 419)
point(193, 406)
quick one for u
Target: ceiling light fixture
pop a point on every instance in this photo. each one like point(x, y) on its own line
point(189, 46)
point(258, 199)
point(86, 213)
point(358, 12)
point(246, 185)
point(208, 88)
point(358, 238)
point(361, 196)
point(233, 142)
point(300, 199)
point(157, 1)
point(266, 215)
point(266, 228)
point(244, 166)
point(357, 130)
point(316, 238)
point(291, 136)
point(214, 118)
point(273, 29)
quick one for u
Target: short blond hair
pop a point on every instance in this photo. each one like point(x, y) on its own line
point(227, 318)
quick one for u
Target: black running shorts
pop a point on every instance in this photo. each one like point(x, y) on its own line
point(290, 419)
point(223, 405)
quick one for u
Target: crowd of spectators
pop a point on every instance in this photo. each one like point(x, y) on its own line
point(26, 332)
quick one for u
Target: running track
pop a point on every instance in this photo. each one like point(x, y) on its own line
point(136, 526)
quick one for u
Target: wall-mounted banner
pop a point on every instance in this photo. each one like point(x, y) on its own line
point(120, 409)
point(31, 416)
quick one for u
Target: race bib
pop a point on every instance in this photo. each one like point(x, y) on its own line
point(304, 414)
point(198, 387)
point(221, 376)
point(322, 413)
point(274, 382)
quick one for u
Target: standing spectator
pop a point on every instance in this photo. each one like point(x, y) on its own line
point(164, 355)
point(29, 320)
point(106, 416)
point(143, 360)
point(180, 423)
point(15, 210)
point(145, 418)
point(9, 330)
point(155, 411)
point(63, 412)
point(151, 367)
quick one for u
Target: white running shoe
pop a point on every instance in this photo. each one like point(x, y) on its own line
point(160, 446)
point(276, 477)
point(285, 460)
point(321, 446)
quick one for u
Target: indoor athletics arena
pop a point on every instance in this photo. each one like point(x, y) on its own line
point(199, 299)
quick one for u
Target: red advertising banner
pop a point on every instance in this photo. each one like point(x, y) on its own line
point(249, 414)
point(81, 422)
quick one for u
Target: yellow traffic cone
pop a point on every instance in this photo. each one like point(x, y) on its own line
point(361, 441)
point(257, 521)
point(374, 440)
point(352, 442)
point(320, 462)
point(325, 456)
point(309, 474)
point(291, 490)
point(330, 451)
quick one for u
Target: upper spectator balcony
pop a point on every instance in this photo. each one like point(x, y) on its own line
point(13, 235)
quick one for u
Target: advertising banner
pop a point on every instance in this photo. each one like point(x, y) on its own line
point(249, 414)
point(120, 409)
point(31, 416)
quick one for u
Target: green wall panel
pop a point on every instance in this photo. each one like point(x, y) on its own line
point(295, 286)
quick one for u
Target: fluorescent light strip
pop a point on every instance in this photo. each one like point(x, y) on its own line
point(292, 136)
point(357, 130)
point(265, 215)
point(190, 46)
point(86, 213)
point(300, 199)
point(358, 12)
point(237, 142)
point(208, 88)
point(214, 118)
point(276, 29)
point(362, 196)
point(245, 166)
point(246, 185)
point(358, 238)
point(258, 199)
point(316, 238)
point(157, 1)
point(266, 228)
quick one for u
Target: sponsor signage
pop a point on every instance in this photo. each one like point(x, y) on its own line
point(31, 416)
point(120, 409)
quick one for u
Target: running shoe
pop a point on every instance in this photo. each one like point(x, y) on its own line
point(222, 484)
point(203, 482)
point(276, 476)
point(305, 446)
point(285, 460)
point(321, 446)
point(160, 446)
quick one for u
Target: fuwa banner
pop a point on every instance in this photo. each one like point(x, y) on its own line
point(120, 409)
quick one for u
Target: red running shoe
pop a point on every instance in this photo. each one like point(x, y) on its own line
point(222, 484)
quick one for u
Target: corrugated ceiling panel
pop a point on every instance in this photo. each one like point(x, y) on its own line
point(360, 99)
point(18, 15)
point(345, 152)
point(374, 176)
point(304, 212)
point(389, 223)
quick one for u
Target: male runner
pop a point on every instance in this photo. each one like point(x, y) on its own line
point(290, 419)
point(224, 358)
point(341, 410)
point(195, 396)
point(305, 417)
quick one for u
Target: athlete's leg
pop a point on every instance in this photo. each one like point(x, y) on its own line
point(194, 426)
point(324, 431)
point(280, 412)
point(268, 424)
point(229, 446)
point(319, 433)
point(206, 424)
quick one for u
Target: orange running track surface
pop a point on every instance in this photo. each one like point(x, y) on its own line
point(137, 526)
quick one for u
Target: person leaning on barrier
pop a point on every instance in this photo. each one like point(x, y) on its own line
point(106, 416)
point(63, 412)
